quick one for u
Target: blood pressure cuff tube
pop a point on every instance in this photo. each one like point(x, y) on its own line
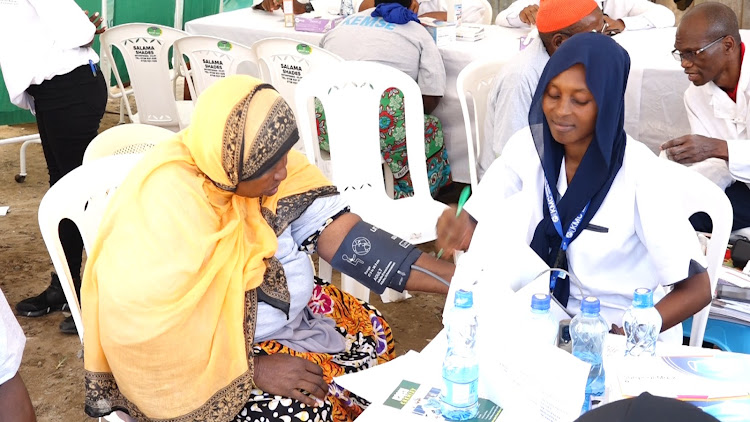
point(375, 258)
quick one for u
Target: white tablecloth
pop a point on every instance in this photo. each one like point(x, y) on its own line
point(654, 110)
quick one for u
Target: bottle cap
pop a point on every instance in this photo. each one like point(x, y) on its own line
point(464, 299)
point(643, 298)
point(540, 302)
point(590, 305)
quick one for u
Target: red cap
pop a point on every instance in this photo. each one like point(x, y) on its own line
point(554, 15)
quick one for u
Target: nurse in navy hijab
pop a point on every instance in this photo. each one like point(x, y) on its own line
point(587, 198)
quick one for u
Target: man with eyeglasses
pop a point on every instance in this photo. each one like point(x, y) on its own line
point(709, 47)
point(510, 95)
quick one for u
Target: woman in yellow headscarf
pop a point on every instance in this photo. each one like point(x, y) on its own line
point(198, 296)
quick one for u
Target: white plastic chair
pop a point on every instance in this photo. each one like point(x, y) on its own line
point(80, 196)
point(487, 16)
point(474, 82)
point(211, 59)
point(145, 48)
point(350, 93)
point(700, 194)
point(132, 138)
point(283, 62)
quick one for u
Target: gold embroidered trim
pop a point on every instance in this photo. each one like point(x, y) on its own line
point(104, 397)
point(274, 289)
point(290, 208)
point(234, 136)
point(272, 135)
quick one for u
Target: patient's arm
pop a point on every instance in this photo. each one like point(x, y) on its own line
point(332, 236)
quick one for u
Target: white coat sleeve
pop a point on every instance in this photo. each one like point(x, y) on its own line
point(642, 14)
point(509, 17)
point(64, 19)
point(12, 342)
point(715, 169)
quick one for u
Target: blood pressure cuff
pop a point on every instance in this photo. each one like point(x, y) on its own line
point(375, 258)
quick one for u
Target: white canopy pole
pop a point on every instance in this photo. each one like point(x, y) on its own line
point(179, 7)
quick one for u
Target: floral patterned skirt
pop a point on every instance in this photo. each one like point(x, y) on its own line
point(393, 144)
point(369, 342)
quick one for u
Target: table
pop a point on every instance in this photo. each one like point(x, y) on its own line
point(654, 107)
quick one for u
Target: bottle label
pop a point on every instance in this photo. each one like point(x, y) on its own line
point(460, 394)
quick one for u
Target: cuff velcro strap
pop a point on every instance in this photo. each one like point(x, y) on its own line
point(375, 258)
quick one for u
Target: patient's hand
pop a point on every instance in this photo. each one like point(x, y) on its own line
point(287, 375)
point(617, 330)
point(454, 233)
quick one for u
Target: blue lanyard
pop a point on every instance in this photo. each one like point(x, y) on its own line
point(555, 217)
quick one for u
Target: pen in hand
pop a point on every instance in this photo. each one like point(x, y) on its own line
point(465, 193)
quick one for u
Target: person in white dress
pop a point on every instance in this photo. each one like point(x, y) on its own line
point(586, 197)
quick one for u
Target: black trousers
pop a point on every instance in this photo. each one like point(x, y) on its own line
point(68, 111)
point(739, 195)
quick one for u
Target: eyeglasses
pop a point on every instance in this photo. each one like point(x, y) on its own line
point(691, 55)
point(604, 30)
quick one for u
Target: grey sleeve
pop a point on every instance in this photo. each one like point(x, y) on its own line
point(512, 100)
point(431, 75)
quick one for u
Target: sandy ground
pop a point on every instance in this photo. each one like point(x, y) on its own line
point(51, 368)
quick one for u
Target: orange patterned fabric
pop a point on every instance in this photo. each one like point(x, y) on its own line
point(369, 343)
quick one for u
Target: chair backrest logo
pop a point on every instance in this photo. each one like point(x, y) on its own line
point(304, 49)
point(154, 31)
point(224, 45)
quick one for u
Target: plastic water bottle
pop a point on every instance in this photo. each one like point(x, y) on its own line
point(542, 326)
point(460, 398)
point(587, 332)
point(347, 8)
point(642, 323)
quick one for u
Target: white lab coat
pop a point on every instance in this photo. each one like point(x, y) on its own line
point(712, 113)
point(636, 14)
point(638, 242)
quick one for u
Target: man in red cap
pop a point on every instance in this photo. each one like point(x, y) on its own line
point(513, 88)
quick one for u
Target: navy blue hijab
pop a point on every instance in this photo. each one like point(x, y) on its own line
point(607, 66)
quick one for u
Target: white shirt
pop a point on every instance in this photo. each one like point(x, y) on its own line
point(636, 14)
point(472, 11)
point(408, 48)
point(644, 244)
point(509, 101)
point(40, 40)
point(712, 113)
point(12, 341)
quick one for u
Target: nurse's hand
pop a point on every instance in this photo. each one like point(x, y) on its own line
point(288, 376)
point(617, 330)
point(454, 233)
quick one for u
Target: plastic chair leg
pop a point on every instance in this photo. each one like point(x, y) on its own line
point(354, 288)
point(391, 295)
point(325, 271)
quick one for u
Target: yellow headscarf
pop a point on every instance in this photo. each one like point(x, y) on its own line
point(169, 291)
